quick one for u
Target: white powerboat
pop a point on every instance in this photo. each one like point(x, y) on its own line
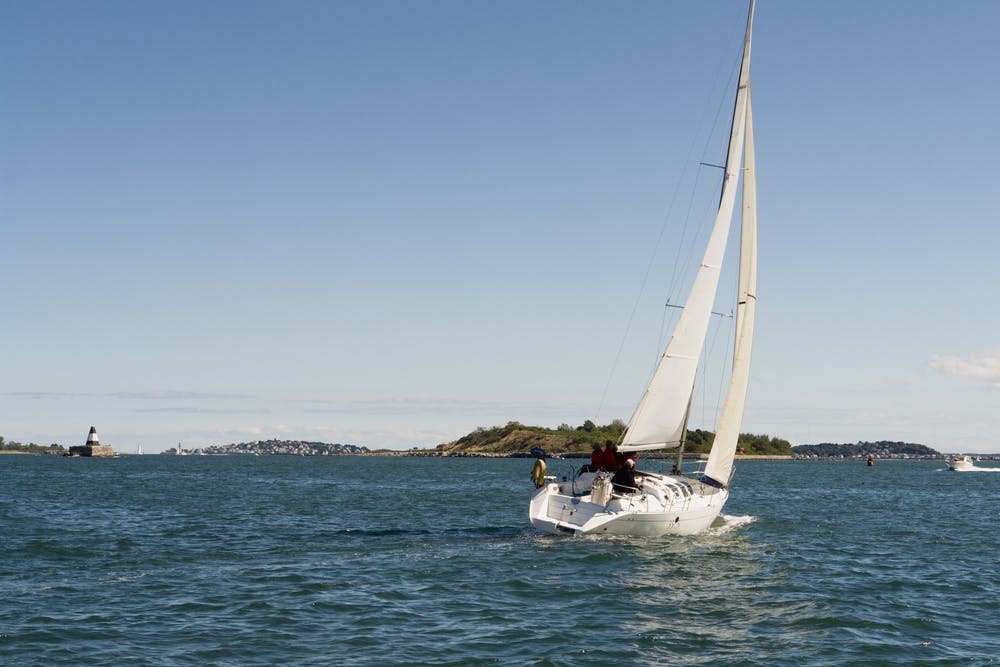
point(961, 463)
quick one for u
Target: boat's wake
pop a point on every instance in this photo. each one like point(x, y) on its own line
point(727, 524)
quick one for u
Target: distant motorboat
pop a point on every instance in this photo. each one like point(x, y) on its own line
point(961, 463)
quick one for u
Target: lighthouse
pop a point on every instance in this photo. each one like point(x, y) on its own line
point(93, 446)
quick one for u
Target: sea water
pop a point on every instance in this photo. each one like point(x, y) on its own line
point(238, 560)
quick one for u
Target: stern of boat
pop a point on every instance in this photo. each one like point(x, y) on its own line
point(663, 505)
point(538, 511)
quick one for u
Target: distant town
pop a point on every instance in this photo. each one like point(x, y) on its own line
point(272, 447)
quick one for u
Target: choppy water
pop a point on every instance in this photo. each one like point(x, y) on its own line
point(159, 560)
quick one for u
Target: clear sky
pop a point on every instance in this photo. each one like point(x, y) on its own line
point(386, 223)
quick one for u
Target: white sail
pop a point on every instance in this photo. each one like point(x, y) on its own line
point(661, 417)
point(720, 459)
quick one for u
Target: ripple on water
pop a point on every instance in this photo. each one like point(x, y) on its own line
point(240, 561)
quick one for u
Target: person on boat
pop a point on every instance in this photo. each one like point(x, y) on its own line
point(609, 459)
point(621, 457)
point(623, 480)
point(538, 472)
point(596, 459)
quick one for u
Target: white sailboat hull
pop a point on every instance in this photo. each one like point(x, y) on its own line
point(663, 505)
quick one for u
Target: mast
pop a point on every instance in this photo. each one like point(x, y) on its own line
point(749, 218)
point(660, 420)
point(744, 68)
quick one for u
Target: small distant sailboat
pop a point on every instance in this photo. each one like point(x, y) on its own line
point(659, 504)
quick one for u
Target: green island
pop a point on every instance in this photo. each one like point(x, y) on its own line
point(30, 448)
point(516, 439)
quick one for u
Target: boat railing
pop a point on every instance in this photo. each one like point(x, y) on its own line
point(578, 486)
point(697, 470)
point(629, 499)
point(671, 500)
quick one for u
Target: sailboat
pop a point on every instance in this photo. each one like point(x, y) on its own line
point(661, 504)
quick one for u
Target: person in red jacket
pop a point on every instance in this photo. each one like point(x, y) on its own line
point(610, 460)
point(596, 459)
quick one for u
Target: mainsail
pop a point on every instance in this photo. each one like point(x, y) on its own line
point(661, 417)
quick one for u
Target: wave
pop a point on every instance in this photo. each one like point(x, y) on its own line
point(469, 532)
point(727, 523)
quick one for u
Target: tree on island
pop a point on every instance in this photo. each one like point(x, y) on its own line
point(879, 448)
point(30, 448)
point(515, 438)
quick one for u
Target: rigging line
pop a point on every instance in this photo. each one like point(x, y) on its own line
point(648, 271)
point(726, 364)
point(663, 325)
point(713, 341)
point(670, 207)
point(676, 272)
point(679, 270)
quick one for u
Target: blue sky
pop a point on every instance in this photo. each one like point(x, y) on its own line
point(388, 223)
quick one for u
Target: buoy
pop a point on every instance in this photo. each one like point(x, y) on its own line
point(538, 472)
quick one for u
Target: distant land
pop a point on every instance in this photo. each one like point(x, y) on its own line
point(881, 449)
point(515, 439)
point(273, 447)
point(7, 447)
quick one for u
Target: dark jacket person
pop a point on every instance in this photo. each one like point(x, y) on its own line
point(623, 480)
